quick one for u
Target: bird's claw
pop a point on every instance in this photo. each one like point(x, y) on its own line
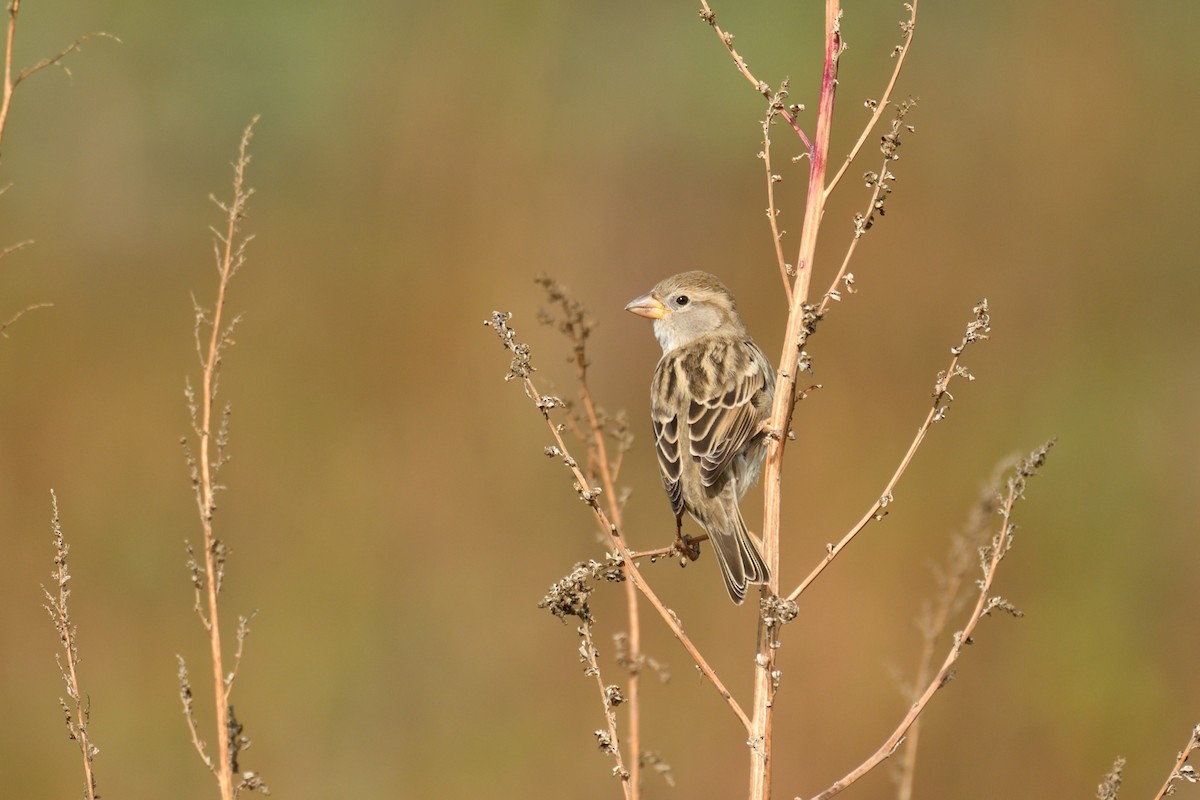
point(687, 547)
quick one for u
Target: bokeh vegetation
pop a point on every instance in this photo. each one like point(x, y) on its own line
point(390, 511)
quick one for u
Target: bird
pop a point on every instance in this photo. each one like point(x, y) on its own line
point(709, 398)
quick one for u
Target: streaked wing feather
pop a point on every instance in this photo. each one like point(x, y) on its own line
point(721, 425)
point(666, 433)
point(742, 423)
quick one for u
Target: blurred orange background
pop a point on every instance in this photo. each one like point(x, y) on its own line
point(389, 509)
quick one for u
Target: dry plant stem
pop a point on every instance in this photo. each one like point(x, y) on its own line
point(12, 248)
point(8, 322)
point(1177, 773)
point(633, 686)
point(901, 54)
point(933, 622)
point(783, 404)
point(632, 573)
point(772, 211)
point(11, 79)
point(77, 714)
point(762, 87)
point(627, 783)
point(858, 235)
point(10, 84)
point(873, 512)
point(661, 552)
point(935, 627)
point(983, 605)
point(797, 294)
point(608, 484)
point(908, 762)
point(185, 695)
point(229, 258)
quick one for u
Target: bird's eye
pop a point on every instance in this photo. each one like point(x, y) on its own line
point(681, 300)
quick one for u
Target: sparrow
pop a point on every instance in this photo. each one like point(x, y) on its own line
point(709, 398)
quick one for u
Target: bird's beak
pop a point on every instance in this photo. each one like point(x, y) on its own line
point(648, 306)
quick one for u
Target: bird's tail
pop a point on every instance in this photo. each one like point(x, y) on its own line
point(741, 563)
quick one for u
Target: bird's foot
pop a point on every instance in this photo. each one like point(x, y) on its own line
point(688, 547)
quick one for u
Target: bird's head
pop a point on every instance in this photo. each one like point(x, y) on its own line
point(687, 307)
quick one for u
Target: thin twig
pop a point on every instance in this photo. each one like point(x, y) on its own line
point(577, 328)
point(12, 81)
point(12, 248)
point(231, 254)
point(189, 714)
point(5, 325)
point(243, 633)
point(14, 8)
point(990, 558)
point(762, 87)
point(936, 616)
point(785, 271)
point(610, 697)
point(907, 30)
point(635, 576)
point(77, 713)
point(976, 331)
point(1182, 771)
point(881, 187)
point(669, 550)
point(521, 369)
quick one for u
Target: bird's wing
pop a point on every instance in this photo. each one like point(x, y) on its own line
point(665, 402)
point(728, 409)
point(716, 396)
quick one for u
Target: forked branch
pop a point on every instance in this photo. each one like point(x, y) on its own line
point(13, 78)
point(521, 369)
point(213, 334)
point(990, 557)
point(907, 30)
point(762, 87)
point(576, 325)
point(977, 330)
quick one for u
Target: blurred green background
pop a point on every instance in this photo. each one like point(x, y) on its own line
point(390, 512)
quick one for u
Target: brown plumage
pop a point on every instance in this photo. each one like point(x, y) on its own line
point(710, 395)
